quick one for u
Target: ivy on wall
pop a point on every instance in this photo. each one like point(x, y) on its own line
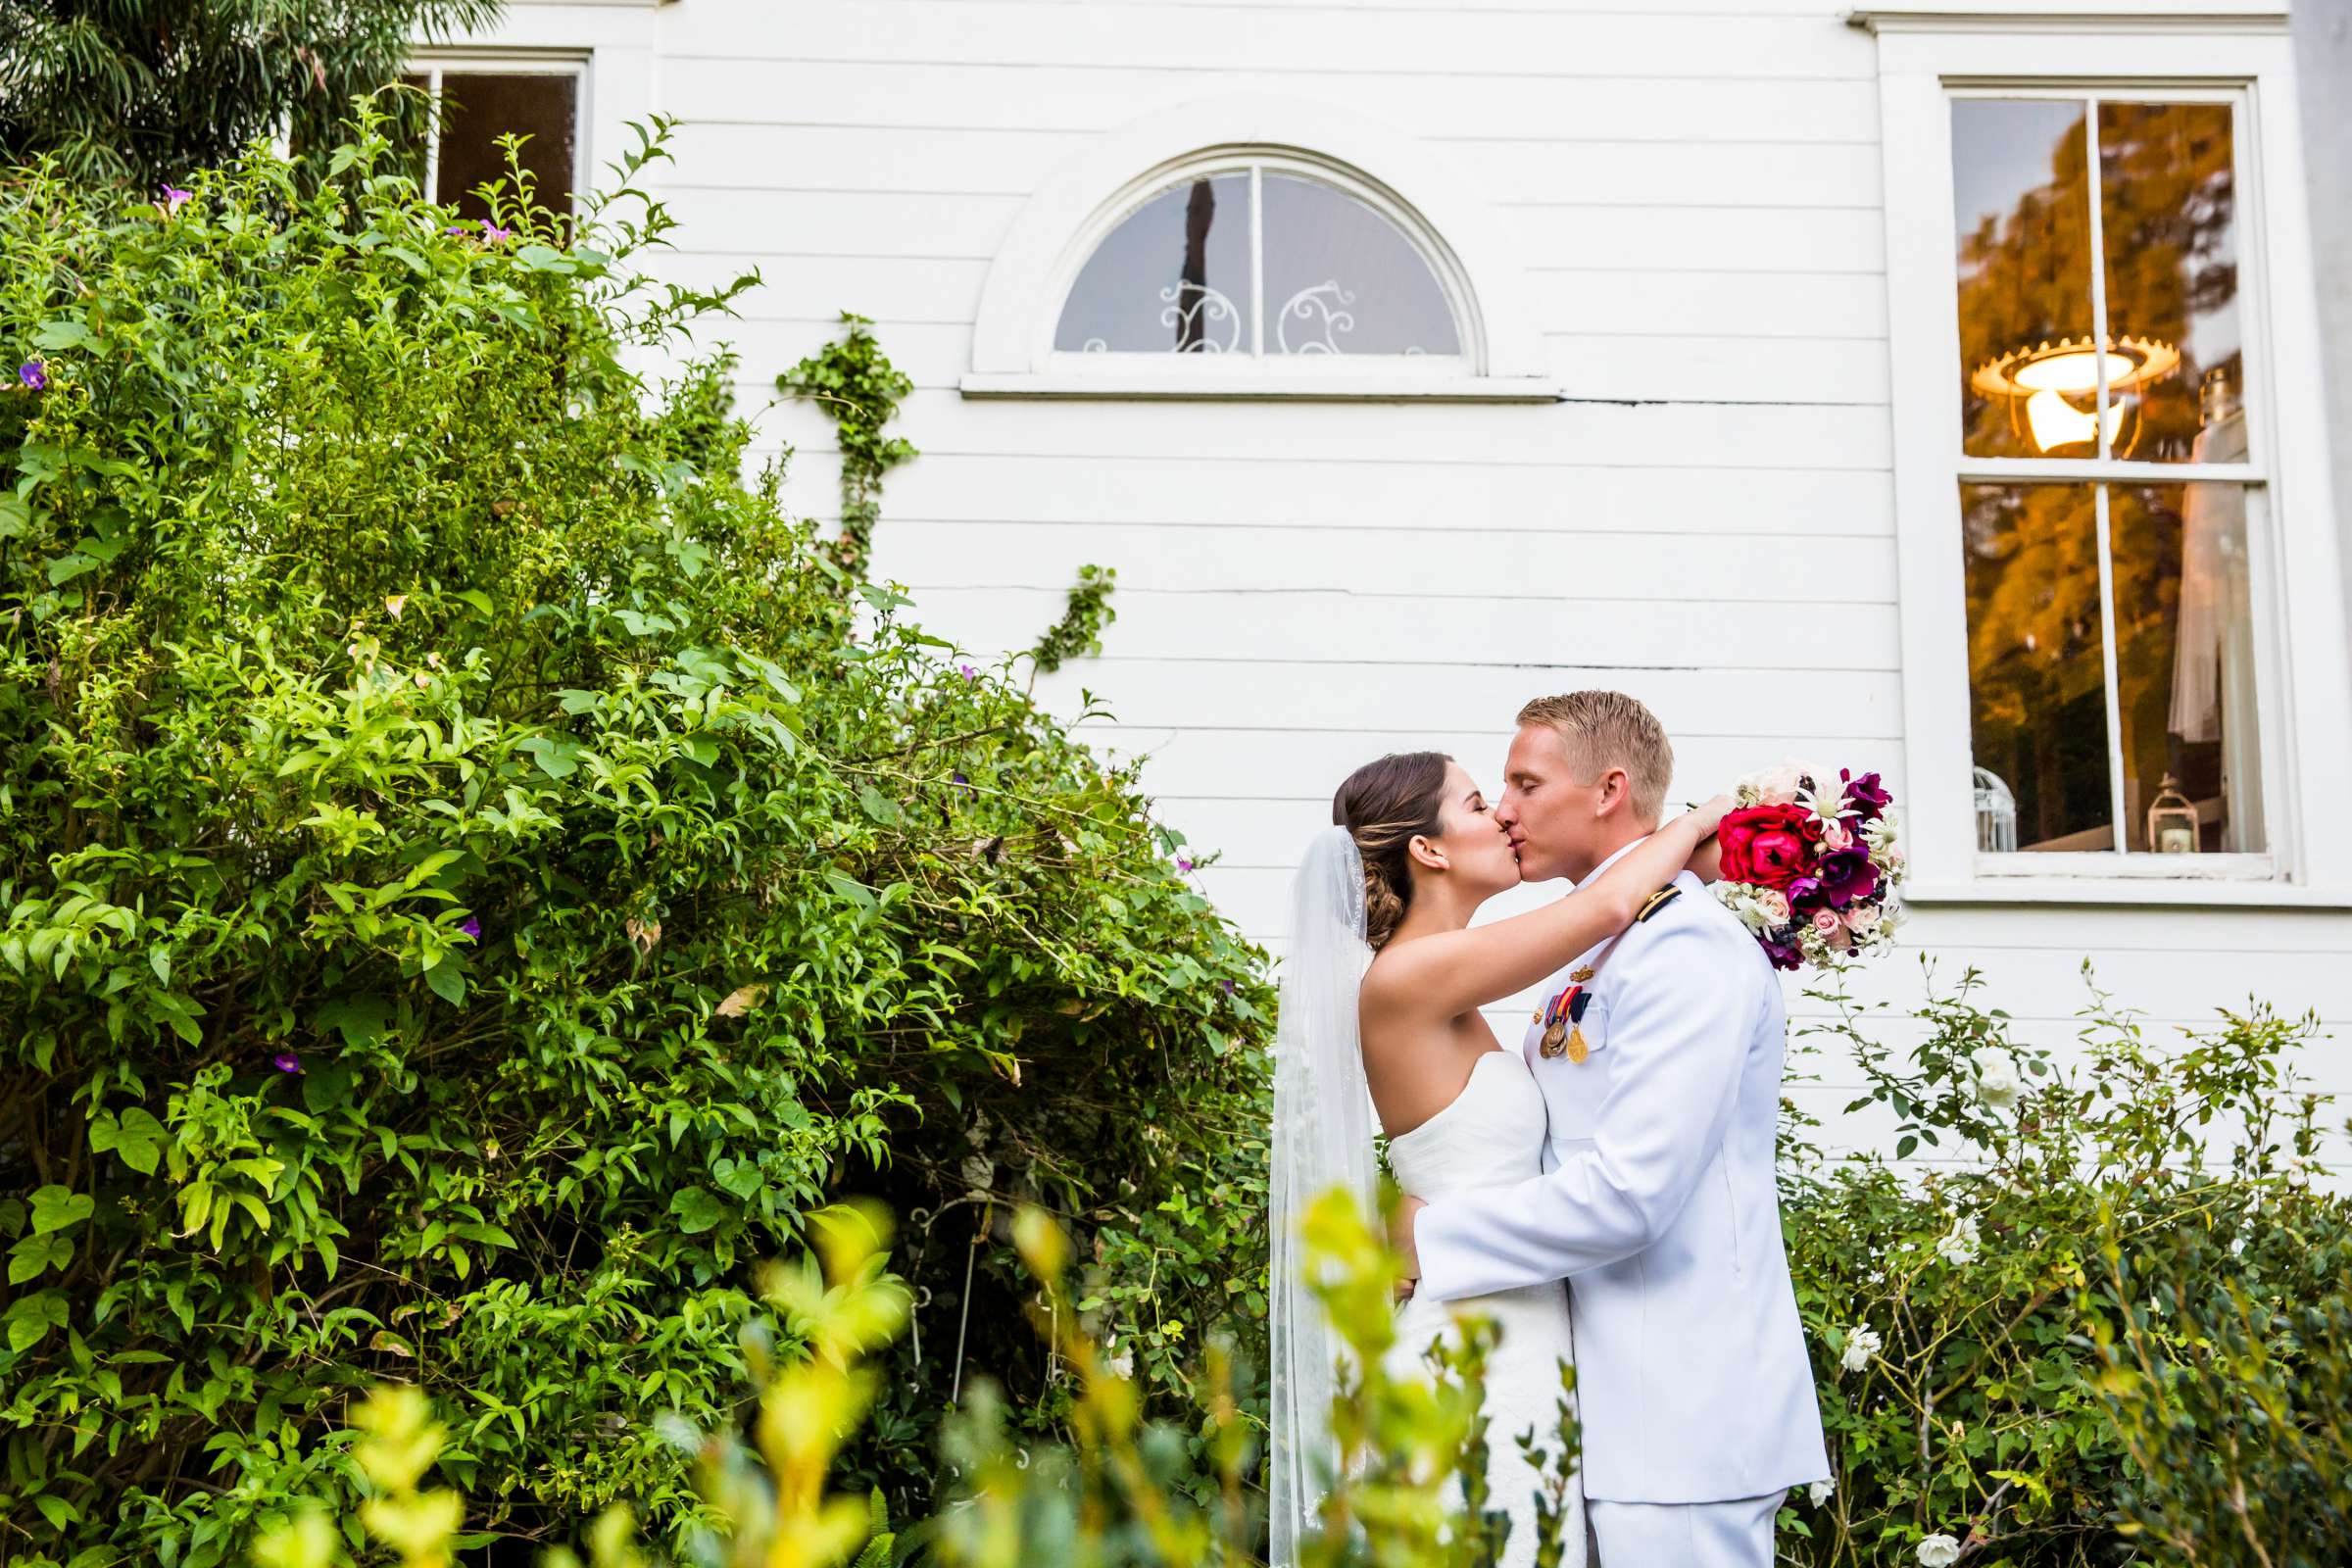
point(855, 383)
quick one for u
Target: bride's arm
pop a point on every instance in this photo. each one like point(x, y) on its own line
point(1457, 970)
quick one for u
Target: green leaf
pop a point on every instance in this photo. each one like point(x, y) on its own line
point(878, 806)
point(697, 1209)
point(61, 333)
point(58, 1209)
point(34, 1255)
point(360, 1020)
point(136, 1139)
point(448, 982)
point(32, 1318)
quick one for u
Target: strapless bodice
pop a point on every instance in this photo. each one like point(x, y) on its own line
point(1491, 1136)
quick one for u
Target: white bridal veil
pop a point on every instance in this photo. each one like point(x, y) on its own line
point(1322, 1139)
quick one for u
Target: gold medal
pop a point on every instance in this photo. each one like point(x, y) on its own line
point(1578, 1050)
point(1552, 1044)
point(1582, 973)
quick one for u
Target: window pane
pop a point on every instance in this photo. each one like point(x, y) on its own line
point(2037, 668)
point(2168, 209)
point(1173, 277)
point(485, 106)
point(2022, 202)
point(1341, 279)
point(2184, 664)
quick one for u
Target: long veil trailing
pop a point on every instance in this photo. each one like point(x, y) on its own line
point(1322, 1139)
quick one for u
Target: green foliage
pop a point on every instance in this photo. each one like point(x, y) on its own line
point(152, 91)
point(1078, 634)
point(860, 390)
point(467, 884)
point(1112, 1497)
point(1958, 1318)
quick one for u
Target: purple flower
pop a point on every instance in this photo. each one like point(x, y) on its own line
point(1183, 865)
point(286, 1061)
point(492, 234)
point(471, 927)
point(456, 229)
point(967, 672)
point(35, 374)
point(1848, 875)
point(961, 782)
point(174, 199)
point(1784, 955)
point(1868, 795)
point(1228, 988)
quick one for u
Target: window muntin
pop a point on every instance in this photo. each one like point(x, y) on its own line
point(1259, 259)
point(476, 105)
point(2111, 616)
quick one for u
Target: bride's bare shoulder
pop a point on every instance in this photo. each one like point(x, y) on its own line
point(1394, 980)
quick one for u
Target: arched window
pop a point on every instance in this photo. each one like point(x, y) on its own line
point(1260, 256)
point(1268, 248)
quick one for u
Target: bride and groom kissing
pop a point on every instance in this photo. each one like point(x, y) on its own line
point(1604, 1192)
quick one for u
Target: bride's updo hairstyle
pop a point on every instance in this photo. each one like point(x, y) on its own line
point(1384, 805)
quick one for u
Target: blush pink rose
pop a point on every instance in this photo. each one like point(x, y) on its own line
point(1834, 836)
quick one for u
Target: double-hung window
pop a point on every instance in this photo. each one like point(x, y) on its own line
point(480, 98)
point(2094, 414)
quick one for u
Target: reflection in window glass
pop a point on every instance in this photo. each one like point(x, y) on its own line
point(2168, 203)
point(2037, 668)
point(2184, 664)
point(2023, 209)
point(1173, 277)
point(1340, 279)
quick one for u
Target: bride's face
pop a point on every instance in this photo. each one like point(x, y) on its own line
point(1476, 846)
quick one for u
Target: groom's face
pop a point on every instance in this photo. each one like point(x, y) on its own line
point(1548, 812)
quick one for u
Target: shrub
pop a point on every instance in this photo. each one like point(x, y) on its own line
point(470, 882)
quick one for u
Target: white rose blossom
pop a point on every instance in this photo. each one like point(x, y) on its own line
point(1960, 1245)
point(1998, 1081)
point(1861, 1344)
point(1938, 1552)
point(1775, 905)
point(1821, 1492)
point(1123, 1364)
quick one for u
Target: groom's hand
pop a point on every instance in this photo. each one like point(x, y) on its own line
point(1400, 1240)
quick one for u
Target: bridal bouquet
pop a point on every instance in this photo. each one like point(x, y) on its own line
point(1810, 865)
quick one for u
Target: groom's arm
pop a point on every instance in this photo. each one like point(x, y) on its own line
point(1679, 1028)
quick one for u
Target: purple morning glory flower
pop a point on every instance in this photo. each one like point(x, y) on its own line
point(35, 374)
point(174, 199)
point(471, 927)
point(961, 782)
point(1183, 865)
point(1228, 988)
point(967, 672)
point(286, 1061)
point(492, 234)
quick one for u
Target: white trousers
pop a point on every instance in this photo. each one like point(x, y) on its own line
point(1684, 1535)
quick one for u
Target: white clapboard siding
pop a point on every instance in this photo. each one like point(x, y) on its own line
point(1465, 43)
point(1534, 104)
point(1621, 563)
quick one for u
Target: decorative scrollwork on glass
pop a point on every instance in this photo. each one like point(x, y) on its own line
point(1192, 311)
point(1325, 307)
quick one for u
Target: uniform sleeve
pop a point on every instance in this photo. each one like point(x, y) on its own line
point(1682, 1019)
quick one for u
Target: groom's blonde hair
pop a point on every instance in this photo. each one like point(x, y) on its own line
point(1601, 730)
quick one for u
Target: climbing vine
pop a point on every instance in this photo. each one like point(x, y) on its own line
point(855, 383)
point(1078, 634)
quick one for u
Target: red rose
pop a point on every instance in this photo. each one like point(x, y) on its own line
point(1766, 844)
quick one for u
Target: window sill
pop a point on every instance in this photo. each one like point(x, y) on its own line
point(1252, 385)
point(2179, 893)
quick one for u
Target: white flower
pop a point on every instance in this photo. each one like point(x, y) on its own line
point(1821, 1492)
point(1861, 1344)
point(1960, 1247)
point(1123, 1364)
point(1938, 1552)
point(1775, 905)
point(1880, 836)
point(2297, 1169)
point(1781, 785)
point(1998, 1080)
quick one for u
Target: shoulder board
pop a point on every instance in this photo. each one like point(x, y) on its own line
point(1657, 901)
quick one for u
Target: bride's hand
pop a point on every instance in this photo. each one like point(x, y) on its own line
point(1706, 815)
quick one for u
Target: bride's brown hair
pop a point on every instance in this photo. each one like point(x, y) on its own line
point(1385, 806)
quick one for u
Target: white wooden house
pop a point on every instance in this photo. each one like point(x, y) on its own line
point(1407, 360)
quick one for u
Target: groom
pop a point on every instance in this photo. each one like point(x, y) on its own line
point(1657, 1200)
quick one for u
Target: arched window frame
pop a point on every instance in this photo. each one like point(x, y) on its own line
point(1057, 231)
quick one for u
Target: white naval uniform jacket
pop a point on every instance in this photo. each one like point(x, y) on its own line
point(1659, 1204)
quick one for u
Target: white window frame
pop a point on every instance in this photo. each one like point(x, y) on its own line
point(433, 63)
point(2236, 53)
point(1502, 357)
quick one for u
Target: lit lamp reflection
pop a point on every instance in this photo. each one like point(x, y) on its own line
point(2046, 381)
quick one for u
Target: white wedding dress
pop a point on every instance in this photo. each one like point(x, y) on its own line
point(1493, 1135)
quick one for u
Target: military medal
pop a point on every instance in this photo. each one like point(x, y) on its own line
point(1563, 1025)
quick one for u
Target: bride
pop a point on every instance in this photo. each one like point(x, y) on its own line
point(1381, 991)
